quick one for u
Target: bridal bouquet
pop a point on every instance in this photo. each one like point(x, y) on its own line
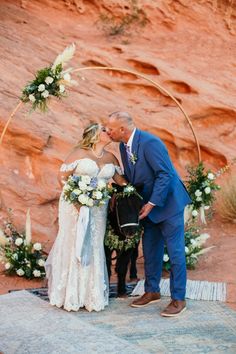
point(49, 81)
point(86, 190)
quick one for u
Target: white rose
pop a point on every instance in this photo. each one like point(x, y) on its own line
point(198, 199)
point(82, 185)
point(62, 88)
point(18, 241)
point(211, 176)
point(86, 179)
point(194, 213)
point(7, 265)
point(49, 80)
point(186, 249)
point(32, 98)
point(206, 207)
point(45, 94)
point(36, 273)
point(165, 258)
point(41, 87)
point(101, 184)
point(193, 242)
point(37, 246)
point(98, 195)
point(20, 272)
point(41, 262)
point(77, 191)
point(67, 77)
point(90, 202)
point(83, 198)
point(198, 193)
point(207, 190)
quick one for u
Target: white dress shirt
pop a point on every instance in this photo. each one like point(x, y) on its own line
point(129, 144)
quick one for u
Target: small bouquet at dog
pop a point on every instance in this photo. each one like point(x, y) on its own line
point(86, 191)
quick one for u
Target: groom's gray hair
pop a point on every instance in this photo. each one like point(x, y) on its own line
point(122, 116)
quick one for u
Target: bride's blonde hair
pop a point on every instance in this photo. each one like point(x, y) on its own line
point(90, 136)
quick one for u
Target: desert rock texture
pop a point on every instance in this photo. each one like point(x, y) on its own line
point(189, 47)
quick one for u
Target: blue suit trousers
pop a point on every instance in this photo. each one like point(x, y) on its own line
point(169, 232)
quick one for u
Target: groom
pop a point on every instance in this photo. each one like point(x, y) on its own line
point(146, 161)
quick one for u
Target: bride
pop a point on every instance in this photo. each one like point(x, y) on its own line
point(71, 283)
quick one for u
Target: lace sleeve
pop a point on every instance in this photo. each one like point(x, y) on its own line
point(69, 167)
point(119, 170)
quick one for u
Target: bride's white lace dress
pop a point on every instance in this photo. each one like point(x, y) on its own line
point(72, 285)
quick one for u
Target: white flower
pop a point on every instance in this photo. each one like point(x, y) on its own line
point(194, 213)
point(36, 273)
point(45, 94)
point(198, 199)
point(67, 77)
point(101, 184)
point(83, 199)
point(165, 258)
point(90, 202)
point(82, 185)
point(206, 207)
point(128, 189)
point(211, 176)
point(32, 98)
point(15, 256)
point(41, 87)
point(18, 241)
point(7, 265)
point(37, 246)
point(62, 88)
point(193, 242)
point(97, 195)
point(198, 193)
point(41, 262)
point(86, 179)
point(186, 249)
point(49, 80)
point(207, 190)
point(77, 191)
point(20, 272)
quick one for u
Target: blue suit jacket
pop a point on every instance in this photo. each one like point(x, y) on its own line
point(154, 169)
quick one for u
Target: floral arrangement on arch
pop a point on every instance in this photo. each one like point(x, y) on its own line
point(19, 254)
point(49, 81)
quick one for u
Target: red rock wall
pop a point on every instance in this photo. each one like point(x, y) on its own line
point(186, 46)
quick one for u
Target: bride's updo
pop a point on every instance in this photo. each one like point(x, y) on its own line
point(90, 136)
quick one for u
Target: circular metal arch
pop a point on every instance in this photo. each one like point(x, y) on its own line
point(152, 82)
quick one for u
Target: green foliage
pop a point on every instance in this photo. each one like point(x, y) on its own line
point(38, 98)
point(113, 26)
point(113, 242)
point(201, 185)
point(193, 247)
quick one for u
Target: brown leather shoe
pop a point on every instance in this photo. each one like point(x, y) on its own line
point(146, 299)
point(175, 308)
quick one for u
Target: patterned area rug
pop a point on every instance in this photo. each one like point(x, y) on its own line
point(30, 325)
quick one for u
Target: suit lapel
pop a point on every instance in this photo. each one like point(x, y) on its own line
point(135, 147)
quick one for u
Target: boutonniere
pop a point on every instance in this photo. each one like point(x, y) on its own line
point(133, 158)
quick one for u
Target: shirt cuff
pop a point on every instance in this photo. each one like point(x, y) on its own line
point(152, 203)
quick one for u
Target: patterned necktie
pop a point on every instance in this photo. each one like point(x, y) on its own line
point(129, 154)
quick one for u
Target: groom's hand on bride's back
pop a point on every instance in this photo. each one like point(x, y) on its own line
point(145, 210)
